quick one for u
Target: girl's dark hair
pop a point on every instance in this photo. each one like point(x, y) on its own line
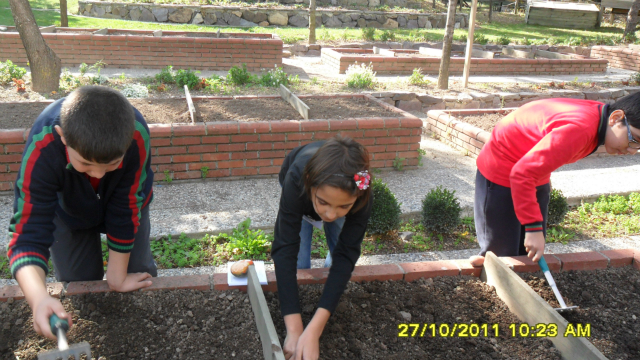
point(630, 104)
point(334, 164)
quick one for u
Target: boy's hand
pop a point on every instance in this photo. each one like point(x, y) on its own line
point(534, 244)
point(131, 282)
point(42, 311)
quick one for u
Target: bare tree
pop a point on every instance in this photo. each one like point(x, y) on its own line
point(516, 6)
point(443, 74)
point(632, 19)
point(312, 22)
point(490, 9)
point(44, 63)
point(64, 22)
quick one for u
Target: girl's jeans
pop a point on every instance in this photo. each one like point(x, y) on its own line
point(331, 231)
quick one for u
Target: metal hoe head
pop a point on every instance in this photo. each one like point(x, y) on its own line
point(76, 351)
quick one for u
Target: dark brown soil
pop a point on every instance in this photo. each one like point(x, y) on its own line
point(365, 324)
point(166, 111)
point(179, 324)
point(485, 122)
point(609, 300)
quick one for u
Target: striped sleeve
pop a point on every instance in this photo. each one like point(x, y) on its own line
point(132, 193)
point(31, 226)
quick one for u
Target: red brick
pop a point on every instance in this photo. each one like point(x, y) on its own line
point(188, 130)
point(619, 257)
point(376, 133)
point(87, 287)
point(582, 261)
point(373, 123)
point(312, 276)
point(377, 273)
point(467, 269)
point(343, 125)
point(159, 130)
point(219, 128)
point(160, 159)
point(267, 170)
point(244, 172)
point(202, 149)
point(272, 137)
point(172, 150)
point(299, 136)
point(14, 292)
point(14, 148)
point(230, 164)
point(191, 282)
point(231, 147)
point(191, 140)
point(524, 264)
point(164, 142)
point(172, 167)
point(215, 139)
point(386, 140)
point(254, 127)
point(429, 269)
point(285, 126)
point(319, 125)
point(186, 158)
point(220, 283)
point(258, 163)
point(187, 175)
point(272, 154)
point(244, 138)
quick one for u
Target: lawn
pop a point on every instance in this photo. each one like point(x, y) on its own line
point(505, 25)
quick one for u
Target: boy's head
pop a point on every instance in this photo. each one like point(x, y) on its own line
point(96, 125)
point(623, 133)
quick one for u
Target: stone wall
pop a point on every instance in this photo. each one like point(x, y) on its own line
point(249, 16)
point(621, 58)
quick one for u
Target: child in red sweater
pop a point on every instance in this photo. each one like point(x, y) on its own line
point(515, 165)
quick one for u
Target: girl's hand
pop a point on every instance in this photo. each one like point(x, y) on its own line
point(308, 347)
point(290, 343)
point(534, 244)
point(43, 310)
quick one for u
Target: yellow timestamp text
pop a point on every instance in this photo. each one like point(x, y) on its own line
point(492, 330)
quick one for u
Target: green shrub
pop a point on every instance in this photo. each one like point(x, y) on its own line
point(385, 214)
point(461, 37)
point(275, 77)
point(214, 84)
point(634, 202)
point(558, 207)
point(504, 40)
point(368, 33)
point(9, 71)
point(239, 75)
point(360, 76)
point(440, 211)
point(417, 78)
point(479, 38)
point(388, 36)
point(166, 75)
point(244, 243)
point(187, 77)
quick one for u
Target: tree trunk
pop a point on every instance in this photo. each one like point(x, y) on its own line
point(443, 74)
point(64, 22)
point(516, 6)
point(312, 22)
point(632, 19)
point(44, 63)
point(434, 4)
point(490, 9)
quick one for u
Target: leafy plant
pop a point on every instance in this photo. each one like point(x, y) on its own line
point(360, 76)
point(368, 33)
point(635, 77)
point(183, 252)
point(244, 243)
point(421, 153)
point(123, 77)
point(319, 247)
point(239, 75)
point(166, 75)
point(167, 177)
point(461, 37)
point(19, 84)
point(385, 213)
point(558, 207)
point(204, 171)
point(214, 84)
point(504, 40)
point(135, 91)
point(187, 77)
point(10, 71)
point(417, 78)
point(84, 68)
point(387, 36)
point(440, 210)
point(480, 38)
point(275, 77)
point(398, 163)
point(68, 82)
point(97, 78)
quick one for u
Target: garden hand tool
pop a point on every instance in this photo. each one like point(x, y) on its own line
point(545, 269)
point(59, 327)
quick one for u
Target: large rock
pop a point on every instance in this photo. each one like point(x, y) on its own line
point(135, 14)
point(362, 23)
point(210, 18)
point(402, 21)
point(374, 3)
point(99, 11)
point(390, 24)
point(331, 21)
point(120, 11)
point(299, 21)
point(278, 18)
point(255, 17)
point(263, 23)
point(198, 19)
point(350, 24)
point(344, 18)
point(411, 105)
point(399, 3)
point(161, 14)
point(231, 19)
point(147, 16)
point(181, 16)
point(374, 24)
point(412, 24)
point(244, 22)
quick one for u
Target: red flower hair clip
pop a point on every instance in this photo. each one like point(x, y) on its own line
point(362, 179)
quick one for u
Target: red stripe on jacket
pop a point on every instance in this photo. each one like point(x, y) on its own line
point(133, 201)
point(530, 143)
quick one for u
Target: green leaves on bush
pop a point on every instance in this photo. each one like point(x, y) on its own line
point(239, 75)
point(9, 71)
point(244, 243)
point(558, 207)
point(440, 211)
point(166, 75)
point(275, 77)
point(368, 33)
point(504, 40)
point(480, 39)
point(360, 76)
point(385, 215)
point(187, 77)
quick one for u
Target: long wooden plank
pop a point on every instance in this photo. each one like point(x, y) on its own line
point(297, 104)
point(509, 51)
point(103, 31)
point(430, 51)
point(476, 53)
point(532, 309)
point(48, 29)
point(268, 335)
point(192, 109)
point(552, 55)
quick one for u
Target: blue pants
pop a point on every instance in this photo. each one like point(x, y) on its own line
point(497, 226)
point(331, 232)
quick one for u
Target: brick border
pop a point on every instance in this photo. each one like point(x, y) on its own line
point(339, 59)
point(140, 49)
point(237, 149)
point(620, 58)
point(405, 271)
point(463, 136)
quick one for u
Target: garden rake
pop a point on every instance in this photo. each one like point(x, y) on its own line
point(60, 327)
point(545, 269)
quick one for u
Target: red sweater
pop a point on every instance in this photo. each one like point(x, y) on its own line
point(530, 143)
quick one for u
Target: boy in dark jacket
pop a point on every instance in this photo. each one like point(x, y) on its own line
point(86, 170)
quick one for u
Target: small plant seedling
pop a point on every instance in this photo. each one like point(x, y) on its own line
point(123, 77)
point(204, 171)
point(167, 177)
point(398, 163)
point(19, 84)
point(421, 153)
point(162, 88)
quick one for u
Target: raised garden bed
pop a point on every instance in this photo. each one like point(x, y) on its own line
point(407, 60)
point(608, 301)
point(231, 139)
point(619, 57)
point(142, 49)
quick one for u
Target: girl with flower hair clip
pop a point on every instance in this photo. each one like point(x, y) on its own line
point(328, 183)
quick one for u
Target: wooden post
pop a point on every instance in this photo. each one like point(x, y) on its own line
point(64, 22)
point(467, 57)
point(530, 308)
point(490, 10)
point(312, 22)
point(443, 72)
point(516, 6)
point(271, 347)
point(612, 17)
point(192, 109)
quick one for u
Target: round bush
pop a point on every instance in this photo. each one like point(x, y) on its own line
point(558, 207)
point(385, 215)
point(440, 211)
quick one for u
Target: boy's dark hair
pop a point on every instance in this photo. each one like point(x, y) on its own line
point(97, 122)
point(334, 164)
point(630, 104)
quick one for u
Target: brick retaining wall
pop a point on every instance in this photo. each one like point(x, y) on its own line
point(238, 149)
point(140, 49)
point(340, 59)
point(618, 57)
